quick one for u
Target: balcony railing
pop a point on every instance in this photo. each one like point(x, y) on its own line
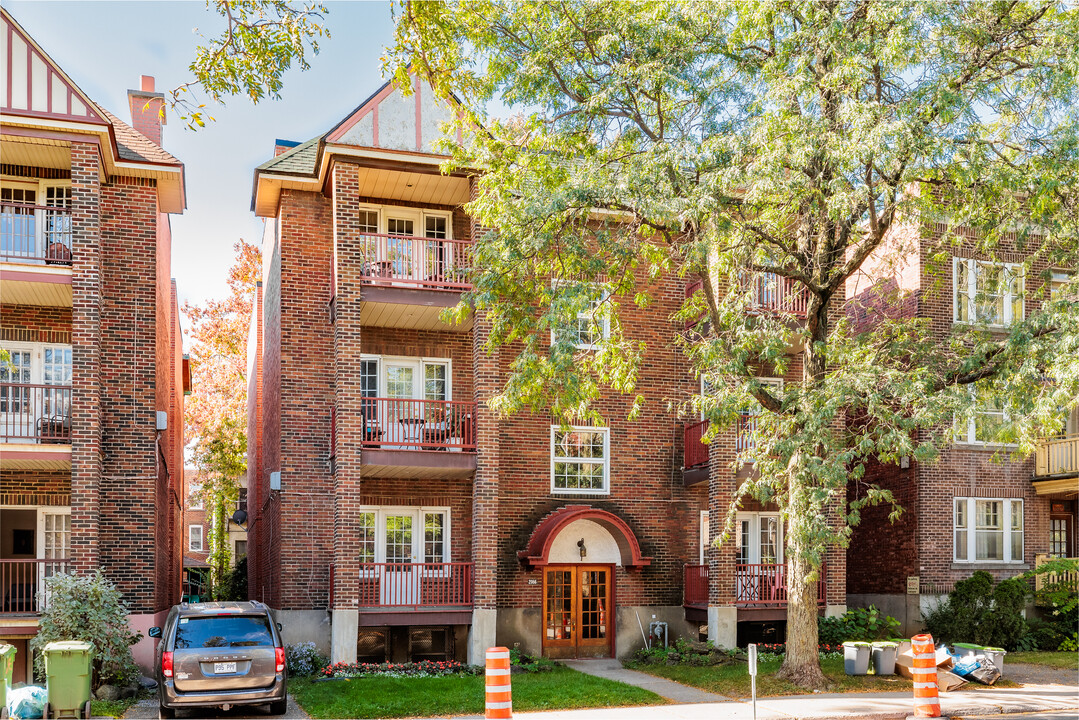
point(770, 293)
point(406, 261)
point(695, 452)
point(398, 424)
point(696, 585)
point(35, 413)
point(35, 233)
point(1057, 456)
point(1044, 580)
point(756, 585)
point(386, 585)
point(22, 585)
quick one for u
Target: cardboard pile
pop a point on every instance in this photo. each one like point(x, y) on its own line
point(946, 681)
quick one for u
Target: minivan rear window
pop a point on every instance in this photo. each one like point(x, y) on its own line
point(216, 631)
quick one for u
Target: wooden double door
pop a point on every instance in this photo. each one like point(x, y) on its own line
point(578, 613)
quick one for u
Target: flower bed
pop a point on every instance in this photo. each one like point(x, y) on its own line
point(778, 650)
point(423, 668)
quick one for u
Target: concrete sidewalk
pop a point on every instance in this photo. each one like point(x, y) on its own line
point(873, 706)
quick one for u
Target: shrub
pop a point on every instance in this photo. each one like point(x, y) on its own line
point(531, 663)
point(303, 659)
point(856, 624)
point(233, 584)
point(1059, 595)
point(977, 612)
point(89, 608)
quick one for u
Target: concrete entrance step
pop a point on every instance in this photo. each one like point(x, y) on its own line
point(611, 669)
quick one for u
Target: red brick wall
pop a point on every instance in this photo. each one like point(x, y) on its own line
point(35, 323)
point(897, 541)
point(255, 478)
point(26, 487)
point(268, 518)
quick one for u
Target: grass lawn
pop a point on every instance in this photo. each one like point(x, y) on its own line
point(382, 697)
point(111, 708)
point(733, 680)
point(1066, 660)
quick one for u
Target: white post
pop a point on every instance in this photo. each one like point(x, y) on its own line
point(753, 676)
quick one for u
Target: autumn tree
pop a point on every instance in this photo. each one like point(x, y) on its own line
point(215, 413)
point(723, 140)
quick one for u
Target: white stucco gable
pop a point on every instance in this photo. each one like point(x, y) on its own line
point(391, 121)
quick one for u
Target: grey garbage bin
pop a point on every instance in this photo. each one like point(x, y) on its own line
point(884, 657)
point(856, 658)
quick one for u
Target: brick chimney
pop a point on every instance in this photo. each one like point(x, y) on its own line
point(283, 146)
point(147, 109)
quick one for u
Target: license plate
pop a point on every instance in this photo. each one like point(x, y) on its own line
point(223, 668)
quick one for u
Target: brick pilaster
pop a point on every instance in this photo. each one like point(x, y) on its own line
point(485, 529)
point(86, 352)
point(348, 262)
point(722, 484)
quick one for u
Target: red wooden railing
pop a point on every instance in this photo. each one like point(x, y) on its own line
point(20, 581)
point(765, 584)
point(415, 584)
point(772, 293)
point(755, 585)
point(419, 424)
point(35, 232)
point(695, 451)
point(696, 585)
point(432, 264)
point(35, 413)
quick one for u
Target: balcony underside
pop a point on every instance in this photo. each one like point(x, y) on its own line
point(418, 464)
point(27, 284)
point(699, 613)
point(406, 616)
point(1063, 486)
point(408, 308)
point(31, 456)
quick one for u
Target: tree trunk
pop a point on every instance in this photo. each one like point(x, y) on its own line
point(801, 665)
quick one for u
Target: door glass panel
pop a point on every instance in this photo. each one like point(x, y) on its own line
point(18, 227)
point(434, 382)
point(398, 538)
point(433, 537)
point(744, 541)
point(769, 540)
point(593, 604)
point(559, 605)
point(16, 371)
point(399, 246)
point(366, 532)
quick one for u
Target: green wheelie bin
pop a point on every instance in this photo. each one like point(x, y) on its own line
point(7, 665)
point(68, 667)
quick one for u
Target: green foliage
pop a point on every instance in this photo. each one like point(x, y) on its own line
point(681, 651)
point(721, 141)
point(531, 663)
point(89, 608)
point(304, 660)
point(233, 584)
point(1059, 597)
point(1070, 644)
point(261, 40)
point(978, 612)
point(856, 624)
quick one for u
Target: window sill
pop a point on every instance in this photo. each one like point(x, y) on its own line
point(585, 493)
point(989, 565)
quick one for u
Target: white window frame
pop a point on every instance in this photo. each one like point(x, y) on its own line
point(420, 363)
point(754, 520)
point(41, 188)
point(418, 530)
point(969, 294)
point(604, 321)
point(969, 436)
point(606, 489)
point(37, 358)
point(190, 539)
point(418, 216)
point(192, 493)
point(970, 504)
point(755, 410)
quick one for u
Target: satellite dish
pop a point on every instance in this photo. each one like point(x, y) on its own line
point(239, 517)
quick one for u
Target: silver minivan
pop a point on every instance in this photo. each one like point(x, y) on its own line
point(220, 654)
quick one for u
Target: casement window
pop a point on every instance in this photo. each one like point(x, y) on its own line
point(987, 293)
point(194, 538)
point(194, 501)
point(580, 460)
point(989, 416)
point(1058, 286)
point(747, 421)
point(590, 325)
point(404, 535)
point(988, 530)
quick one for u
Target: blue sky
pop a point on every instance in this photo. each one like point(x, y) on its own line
point(106, 46)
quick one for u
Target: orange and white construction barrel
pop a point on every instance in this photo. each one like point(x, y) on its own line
point(499, 704)
point(924, 669)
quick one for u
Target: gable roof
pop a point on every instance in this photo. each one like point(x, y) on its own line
point(133, 146)
point(300, 160)
point(36, 85)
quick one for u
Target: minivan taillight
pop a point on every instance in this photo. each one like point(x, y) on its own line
point(279, 655)
point(166, 664)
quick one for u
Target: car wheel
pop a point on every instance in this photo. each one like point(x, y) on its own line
point(279, 707)
point(165, 713)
